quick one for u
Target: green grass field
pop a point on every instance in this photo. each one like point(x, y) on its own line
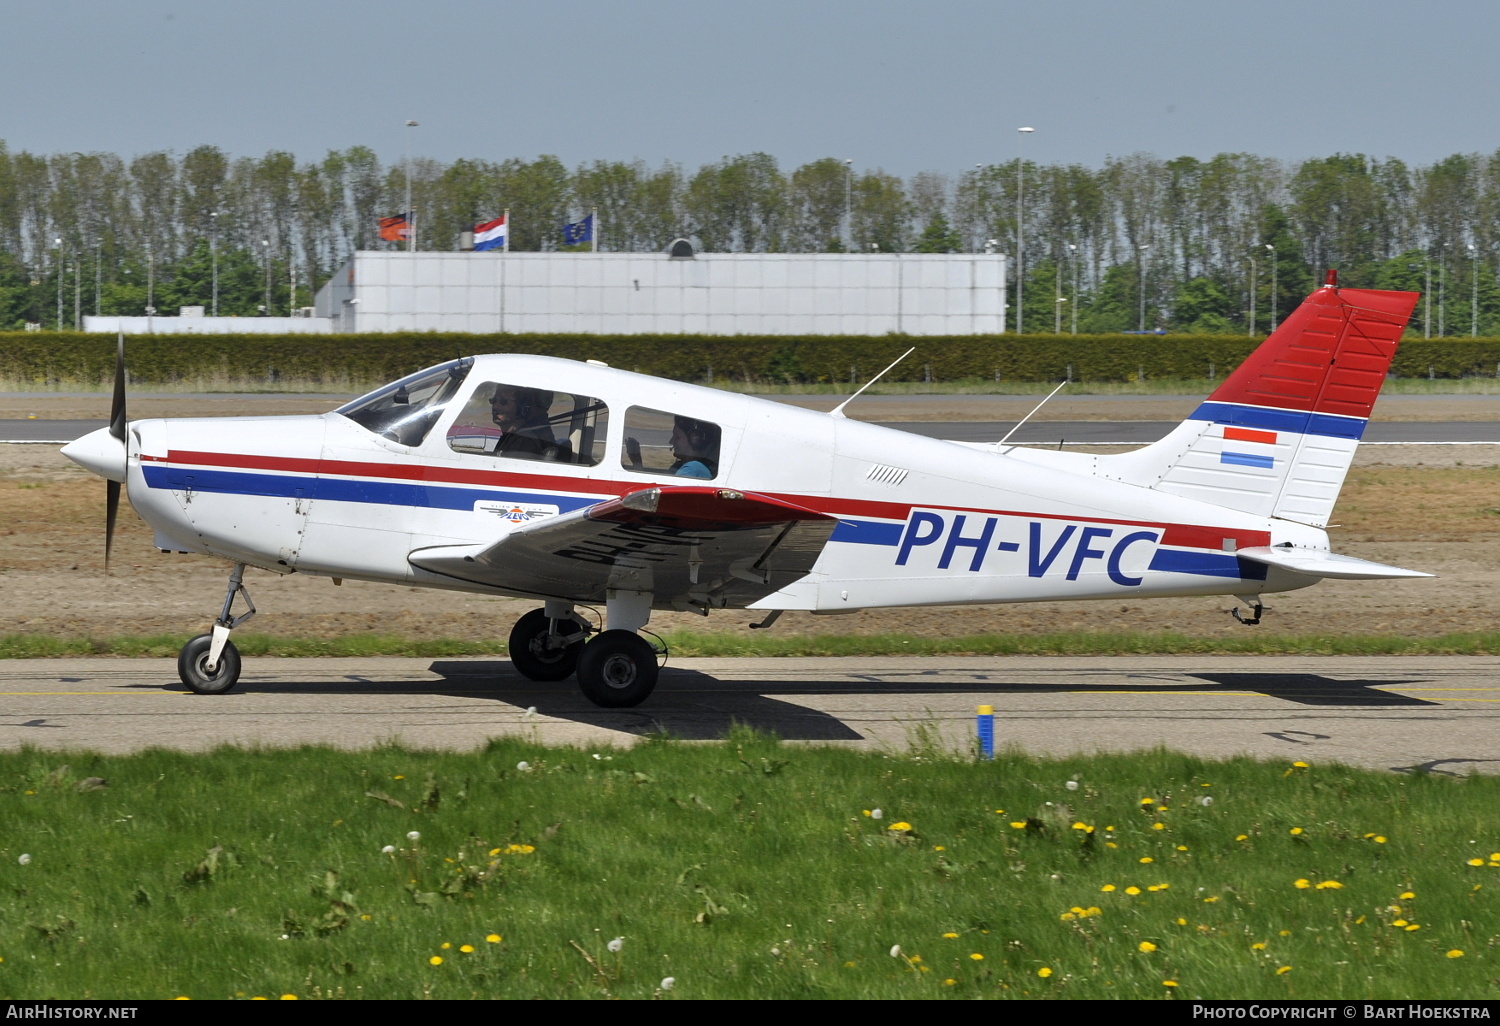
point(746, 869)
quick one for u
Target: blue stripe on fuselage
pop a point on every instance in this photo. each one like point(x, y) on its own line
point(1235, 415)
point(389, 493)
point(867, 532)
point(1207, 564)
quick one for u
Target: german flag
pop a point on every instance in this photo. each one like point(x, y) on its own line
point(395, 229)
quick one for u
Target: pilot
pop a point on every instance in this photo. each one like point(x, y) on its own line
point(695, 448)
point(521, 416)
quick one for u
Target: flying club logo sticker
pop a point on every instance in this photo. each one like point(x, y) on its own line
point(512, 512)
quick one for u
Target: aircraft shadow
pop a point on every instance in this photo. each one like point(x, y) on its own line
point(695, 706)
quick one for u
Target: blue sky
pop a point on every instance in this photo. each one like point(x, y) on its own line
point(898, 85)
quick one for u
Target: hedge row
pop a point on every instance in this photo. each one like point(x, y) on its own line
point(77, 357)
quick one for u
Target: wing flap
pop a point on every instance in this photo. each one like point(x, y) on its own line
point(1317, 563)
point(690, 547)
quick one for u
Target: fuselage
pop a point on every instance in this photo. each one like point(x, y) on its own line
point(921, 521)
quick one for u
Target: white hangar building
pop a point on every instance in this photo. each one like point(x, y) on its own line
point(684, 293)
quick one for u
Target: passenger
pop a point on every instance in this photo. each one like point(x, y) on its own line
point(695, 447)
point(521, 416)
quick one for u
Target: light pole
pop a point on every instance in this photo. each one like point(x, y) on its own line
point(1073, 259)
point(265, 251)
point(98, 276)
point(1273, 285)
point(58, 240)
point(1020, 222)
point(849, 206)
point(1057, 274)
point(213, 248)
point(1474, 291)
point(1253, 283)
point(411, 217)
point(1140, 281)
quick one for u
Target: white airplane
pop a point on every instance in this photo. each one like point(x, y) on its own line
point(581, 485)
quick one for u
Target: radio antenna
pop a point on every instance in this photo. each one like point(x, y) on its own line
point(838, 411)
point(1028, 416)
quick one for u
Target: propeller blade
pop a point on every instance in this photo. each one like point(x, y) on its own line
point(111, 511)
point(117, 419)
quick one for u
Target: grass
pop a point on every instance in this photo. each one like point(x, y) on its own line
point(746, 869)
point(689, 643)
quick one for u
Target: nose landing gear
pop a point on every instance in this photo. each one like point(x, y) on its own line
point(210, 664)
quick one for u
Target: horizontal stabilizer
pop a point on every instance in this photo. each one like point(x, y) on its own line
point(1319, 563)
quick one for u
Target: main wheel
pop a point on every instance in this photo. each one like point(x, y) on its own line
point(534, 651)
point(192, 666)
point(617, 669)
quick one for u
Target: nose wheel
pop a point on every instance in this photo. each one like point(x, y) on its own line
point(210, 664)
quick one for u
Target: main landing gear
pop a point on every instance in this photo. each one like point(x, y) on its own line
point(616, 668)
point(210, 664)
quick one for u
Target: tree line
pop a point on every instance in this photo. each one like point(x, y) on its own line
point(1223, 245)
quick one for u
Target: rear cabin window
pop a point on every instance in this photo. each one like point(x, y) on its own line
point(519, 422)
point(670, 444)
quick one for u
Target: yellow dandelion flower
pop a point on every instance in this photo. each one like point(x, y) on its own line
point(289, 997)
point(1330, 885)
point(493, 938)
point(1080, 825)
point(1413, 926)
point(1094, 910)
point(1148, 801)
point(1407, 895)
point(938, 847)
point(1158, 826)
point(399, 776)
point(1145, 947)
point(1283, 970)
point(1495, 856)
point(1301, 884)
point(1283, 933)
point(1153, 887)
point(1379, 839)
point(1044, 972)
point(1300, 765)
point(1107, 888)
point(1210, 901)
point(1147, 859)
point(950, 936)
point(1110, 844)
point(1161, 808)
point(1243, 837)
point(950, 982)
point(1368, 836)
point(915, 958)
point(1019, 826)
point(1132, 891)
point(1182, 847)
point(865, 811)
point(1172, 983)
point(494, 852)
point(902, 826)
point(435, 960)
point(1109, 828)
point(1295, 831)
point(1455, 953)
point(1359, 921)
point(1398, 922)
point(1476, 862)
point(976, 956)
point(999, 812)
point(446, 945)
point(1067, 916)
point(1258, 946)
point(1181, 921)
point(1494, 863)
point(467, 949)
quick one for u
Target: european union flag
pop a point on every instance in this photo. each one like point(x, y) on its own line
point(579, 231)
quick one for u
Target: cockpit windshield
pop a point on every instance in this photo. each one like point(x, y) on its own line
point(404, 411)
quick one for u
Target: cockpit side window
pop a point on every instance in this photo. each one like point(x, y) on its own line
point(661, 443)
point(525, 423)
point(404, 411)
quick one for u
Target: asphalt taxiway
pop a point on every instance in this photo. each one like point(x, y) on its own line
point(1400, 714)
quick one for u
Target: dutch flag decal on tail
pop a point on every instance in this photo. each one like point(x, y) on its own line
point(1277, 437)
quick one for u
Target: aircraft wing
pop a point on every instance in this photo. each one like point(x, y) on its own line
point(1317, 563)
point(692, 547)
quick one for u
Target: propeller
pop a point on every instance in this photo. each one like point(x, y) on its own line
point(117, 426)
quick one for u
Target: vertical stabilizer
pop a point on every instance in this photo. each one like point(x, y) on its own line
point(1277, 437)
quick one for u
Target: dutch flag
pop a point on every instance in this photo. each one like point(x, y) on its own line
point(490, 234)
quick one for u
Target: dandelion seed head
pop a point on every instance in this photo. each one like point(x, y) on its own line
point(877, 814)
point(1205, 801)
point(388, 849)
point(414, 835)
point(616, 944)
point(24, 860)
point(895, 951)
point(668, 982)
point(1071, 785)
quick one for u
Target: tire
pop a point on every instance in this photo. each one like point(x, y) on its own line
point(530, 656)
point(194, 673)
point(617, 669)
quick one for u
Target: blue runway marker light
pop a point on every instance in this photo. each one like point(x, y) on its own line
point(986, 727)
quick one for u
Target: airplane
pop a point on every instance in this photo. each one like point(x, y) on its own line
point(581, 485)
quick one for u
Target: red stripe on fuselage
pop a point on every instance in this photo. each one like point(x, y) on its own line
point(1186, 536)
